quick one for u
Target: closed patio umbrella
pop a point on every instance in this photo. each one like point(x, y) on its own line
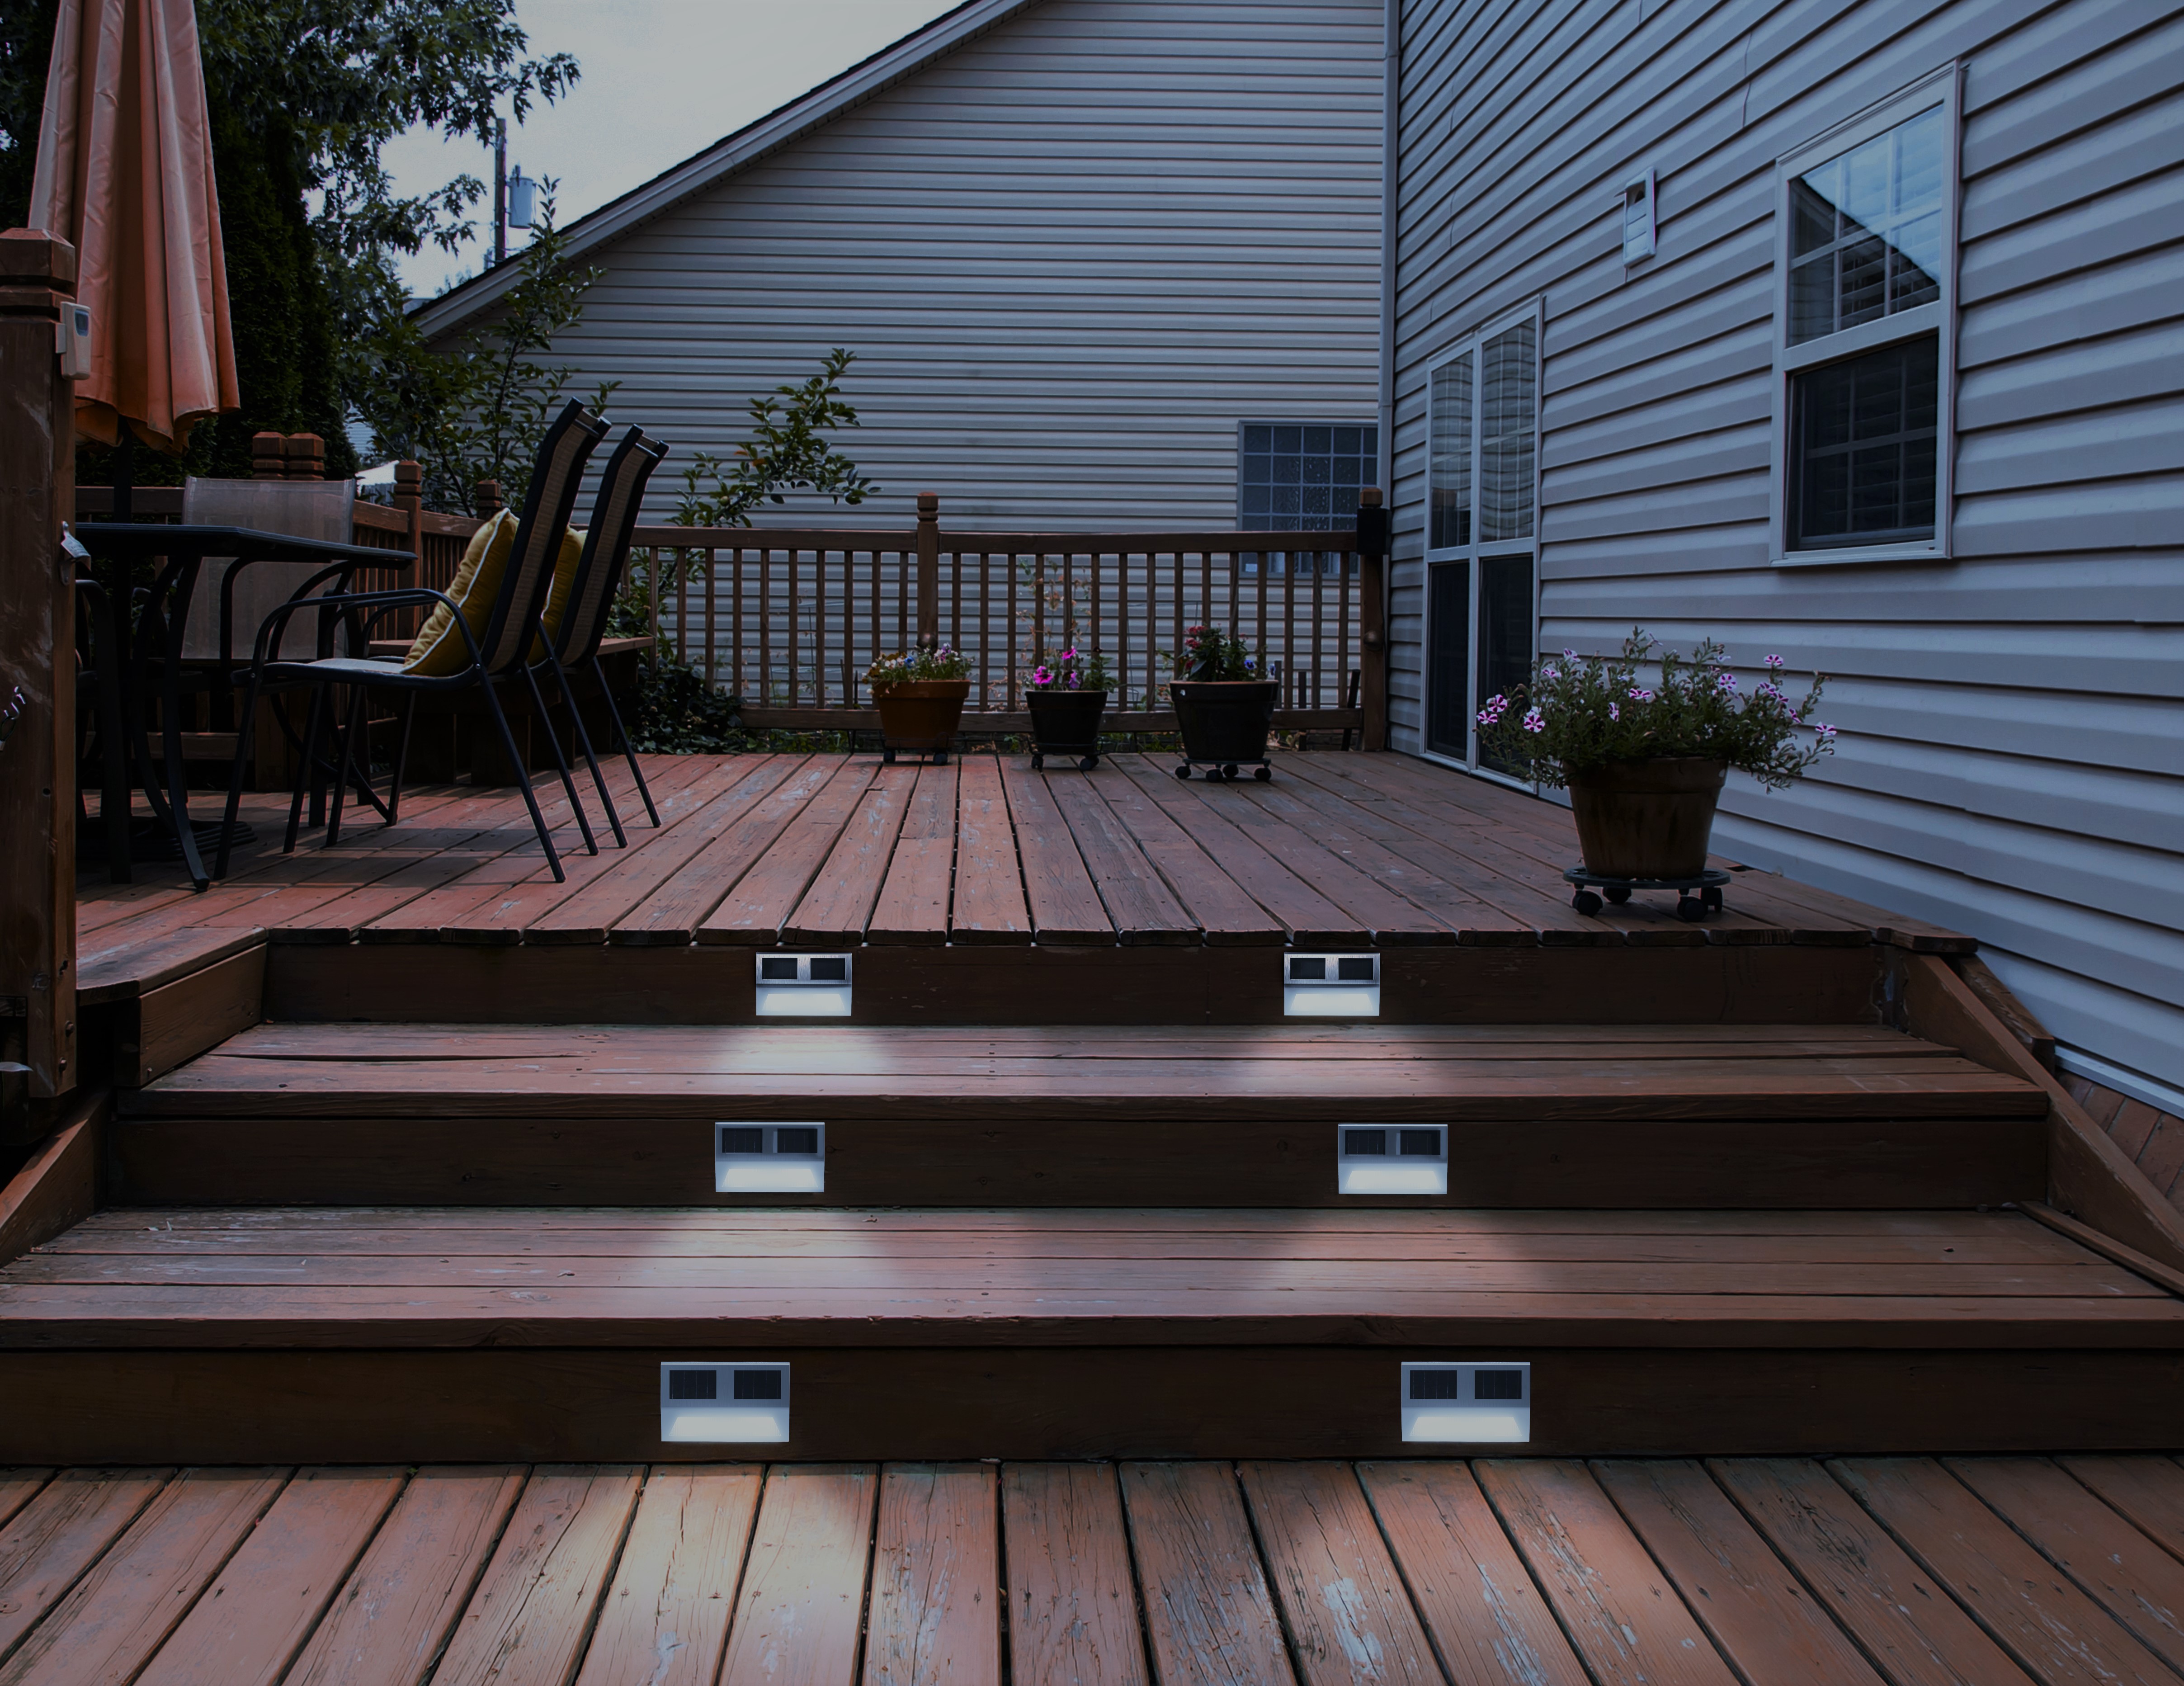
point(125, 171)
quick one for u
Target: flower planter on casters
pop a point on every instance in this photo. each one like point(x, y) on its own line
point(1646, 819)
point(1066, 724)
point(1224, 722)
point(920, 717)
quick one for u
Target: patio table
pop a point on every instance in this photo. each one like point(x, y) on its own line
point(164, 619)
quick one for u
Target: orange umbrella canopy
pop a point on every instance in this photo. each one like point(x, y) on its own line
point(125, 171)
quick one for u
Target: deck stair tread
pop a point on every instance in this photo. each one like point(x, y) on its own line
point(1448, 1072)
point(318, 1279)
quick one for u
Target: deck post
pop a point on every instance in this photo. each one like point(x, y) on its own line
point(928, 570)
point(1373, 614)
point(37, 644)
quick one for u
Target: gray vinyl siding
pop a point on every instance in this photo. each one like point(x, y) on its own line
point(2013, 719)
point(1072, 254)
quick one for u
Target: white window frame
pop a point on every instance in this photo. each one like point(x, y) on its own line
point(1477, 551)
point(1944, 87)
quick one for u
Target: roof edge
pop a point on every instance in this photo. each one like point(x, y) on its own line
point(451, 310)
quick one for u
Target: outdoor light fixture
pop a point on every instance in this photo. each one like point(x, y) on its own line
point(804, 986)
point(1476, 1403)
point(769, 1159)
point(1391, 1159)
point(722, 1403)
point(1641, 223)
point(1331, 985)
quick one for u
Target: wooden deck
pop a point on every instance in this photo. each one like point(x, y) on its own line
point(1533, 1572)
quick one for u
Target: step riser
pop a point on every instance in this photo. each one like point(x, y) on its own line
point(1602, 1163)
point(1303, 1402)
point(613, 984)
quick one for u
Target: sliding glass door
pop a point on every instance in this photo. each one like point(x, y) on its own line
point(1482, 546)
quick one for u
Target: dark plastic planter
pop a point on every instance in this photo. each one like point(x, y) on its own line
point(1066, 724)
point(920, 717)
point(1225, 722)
point(1646, 819)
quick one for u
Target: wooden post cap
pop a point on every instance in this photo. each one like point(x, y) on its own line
point(408, 473)
point(268, 456)
point(307, 456)
point(30, 256)
point(928, 506)
point(486, 495)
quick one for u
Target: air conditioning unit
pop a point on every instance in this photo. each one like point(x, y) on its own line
point(1467, 1403)
point(1331, 985)
point(741, 1403)
point(769, 1159)
point(804, 986)
point(1391, 1159)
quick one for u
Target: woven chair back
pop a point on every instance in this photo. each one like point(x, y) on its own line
point(546, 505)
point(607, 544)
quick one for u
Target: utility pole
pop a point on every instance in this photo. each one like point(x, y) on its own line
point(500, 192)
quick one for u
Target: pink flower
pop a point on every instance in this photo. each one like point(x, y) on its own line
point(1614, 713)
point(1826, 734)
point(1551, 673)
point(1534, 721)
point(1726, 681)
point(1640, 694)
point(1775, 662)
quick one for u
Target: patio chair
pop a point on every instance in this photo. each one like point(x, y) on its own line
point(491, 642)
point(574, 643)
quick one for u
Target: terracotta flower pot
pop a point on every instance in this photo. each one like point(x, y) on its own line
point(1224, 721)
point(921, 716)
point(1066, 724)
point(1646, 819)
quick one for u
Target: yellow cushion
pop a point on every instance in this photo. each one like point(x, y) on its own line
point(557, 600)
point(439, 650)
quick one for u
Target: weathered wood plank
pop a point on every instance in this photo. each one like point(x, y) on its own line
point(1902, 1615)
point(1626, 1622)
point(913, 901)
point(1065, 906)
point(61, 1531)
point(393, 1613)
point(835, 910)
point(529, 1618)
point(2150, 1491)
point(666, 1620)
point(1228, 915)
point(250, 1623)
point(934, 1618)
point(1143, 909)
point(1486, 1617)
point(798, 1616)
point(2054, 1631)
point(130, 1600)
point(989, 906)
point(1208, 1609)
point(670, 915)
point(1072, 1610)
point(1755, 1610)
point(1347, 1617)
point(753, 912)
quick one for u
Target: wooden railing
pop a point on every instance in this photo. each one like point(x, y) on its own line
point(790, 619)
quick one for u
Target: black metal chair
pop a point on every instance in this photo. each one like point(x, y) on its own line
point(500, 654)
point(575, 642)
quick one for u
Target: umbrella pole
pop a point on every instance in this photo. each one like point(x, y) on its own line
point(124, 474)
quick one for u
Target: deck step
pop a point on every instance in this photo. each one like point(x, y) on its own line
point(1597, 1116)
point(395, 1333)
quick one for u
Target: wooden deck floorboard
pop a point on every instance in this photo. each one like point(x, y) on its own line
point(1523, 1573)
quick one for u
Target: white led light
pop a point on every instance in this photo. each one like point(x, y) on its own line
point(723, 1403)
point(804, 986)
point(1331, 985)
point(1485, 1404)
point(769, 1159)
point(1391, 1159)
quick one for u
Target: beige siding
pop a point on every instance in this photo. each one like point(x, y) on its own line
point(1072, 255)
point(2012, 760)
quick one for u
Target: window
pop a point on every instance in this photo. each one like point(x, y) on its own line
point(1303, 477)
point(1483, 427)
point(1864, 336)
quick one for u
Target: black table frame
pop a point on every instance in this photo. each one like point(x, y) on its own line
point(184, 547)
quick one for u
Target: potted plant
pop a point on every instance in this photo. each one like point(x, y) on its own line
point(1644, 762)
point(1222, 707)
point(920, 695)
point(1067, 695)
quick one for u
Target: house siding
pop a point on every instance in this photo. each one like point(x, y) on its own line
point(2012, 760)
point(1072, 254)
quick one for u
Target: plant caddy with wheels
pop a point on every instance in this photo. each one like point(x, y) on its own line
point(1066, 694)
point(920, 695)
point(1224, 709)
point(1645, 762)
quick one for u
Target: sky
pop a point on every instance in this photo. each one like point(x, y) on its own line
point(662, 80)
